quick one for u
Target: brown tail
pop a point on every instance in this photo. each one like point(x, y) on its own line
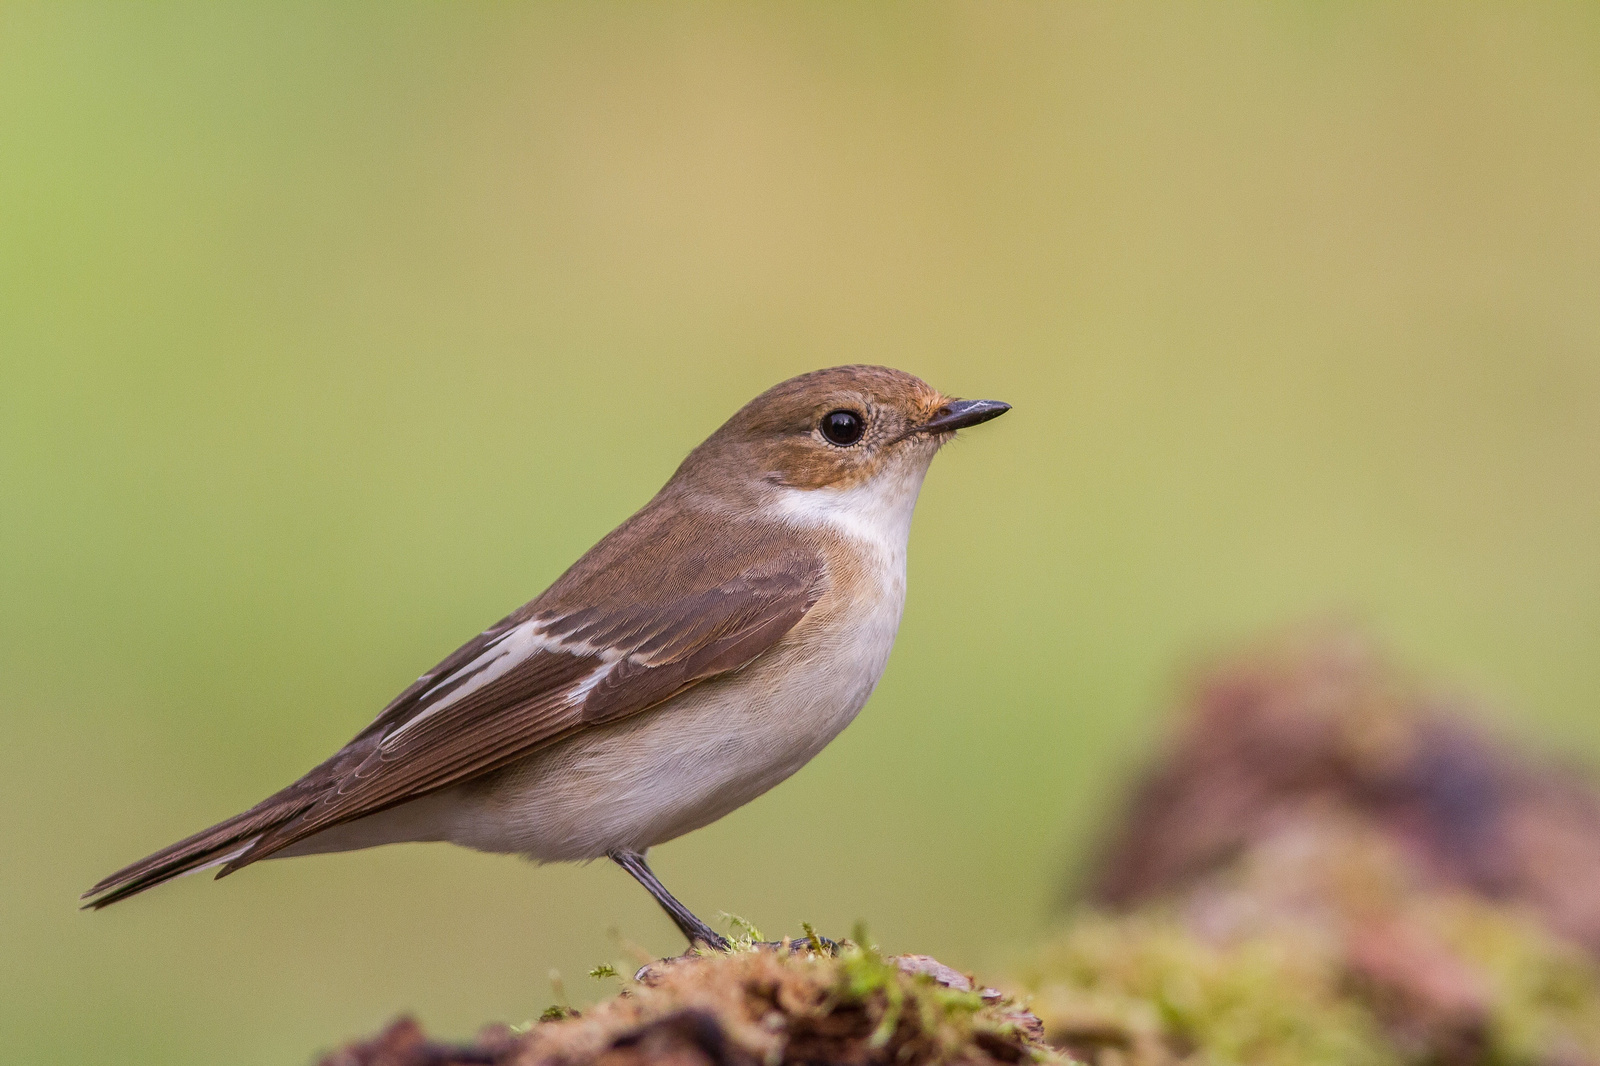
point(209, 847)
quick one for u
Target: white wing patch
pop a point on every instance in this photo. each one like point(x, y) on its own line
point(581, 691)
point(499, 657)
point(229, 857)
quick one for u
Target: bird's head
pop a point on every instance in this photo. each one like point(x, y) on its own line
point(847, 437)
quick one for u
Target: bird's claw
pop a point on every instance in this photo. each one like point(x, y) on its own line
point(821, 945)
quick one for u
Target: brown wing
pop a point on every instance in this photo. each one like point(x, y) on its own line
point(661, 604)
point(566, 662)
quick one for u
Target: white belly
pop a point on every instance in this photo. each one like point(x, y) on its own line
point(669, 770)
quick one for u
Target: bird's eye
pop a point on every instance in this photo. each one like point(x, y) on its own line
point(843, 428)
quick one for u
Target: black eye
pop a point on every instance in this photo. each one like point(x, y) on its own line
point(843, 428)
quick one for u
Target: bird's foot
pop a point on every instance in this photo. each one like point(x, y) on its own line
point(708, 939)
point(819, 945)
point(703, 945)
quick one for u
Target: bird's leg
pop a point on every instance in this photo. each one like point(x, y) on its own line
point(697, 931)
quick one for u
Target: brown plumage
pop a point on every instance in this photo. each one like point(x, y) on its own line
point(747, 569)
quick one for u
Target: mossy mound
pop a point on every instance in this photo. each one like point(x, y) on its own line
point(759, 1006)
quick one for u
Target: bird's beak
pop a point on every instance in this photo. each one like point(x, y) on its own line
point(959, 414)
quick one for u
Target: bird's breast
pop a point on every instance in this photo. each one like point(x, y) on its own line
point(707, 751)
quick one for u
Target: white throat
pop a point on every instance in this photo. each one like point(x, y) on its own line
point(875, 513)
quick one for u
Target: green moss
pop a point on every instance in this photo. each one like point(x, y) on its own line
point(1145, 989)
point(1543, 994)
point(909, 1007)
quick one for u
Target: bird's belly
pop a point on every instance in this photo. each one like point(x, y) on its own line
point(680, 766)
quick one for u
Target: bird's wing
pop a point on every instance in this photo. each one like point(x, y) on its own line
point(598, 646)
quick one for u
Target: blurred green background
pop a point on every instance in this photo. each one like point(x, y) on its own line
point(330, 333)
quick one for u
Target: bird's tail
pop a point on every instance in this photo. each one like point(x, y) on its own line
point(221, 843)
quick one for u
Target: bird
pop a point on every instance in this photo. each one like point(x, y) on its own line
point(696, 656)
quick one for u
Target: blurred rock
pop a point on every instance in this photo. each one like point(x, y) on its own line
point(1328, 862)
point(1329, 731)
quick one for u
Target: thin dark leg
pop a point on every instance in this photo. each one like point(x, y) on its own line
point(697, 931)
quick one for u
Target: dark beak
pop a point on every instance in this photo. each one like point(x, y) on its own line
point(959, 414)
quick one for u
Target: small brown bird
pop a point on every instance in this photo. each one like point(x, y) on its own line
point(701, 653)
